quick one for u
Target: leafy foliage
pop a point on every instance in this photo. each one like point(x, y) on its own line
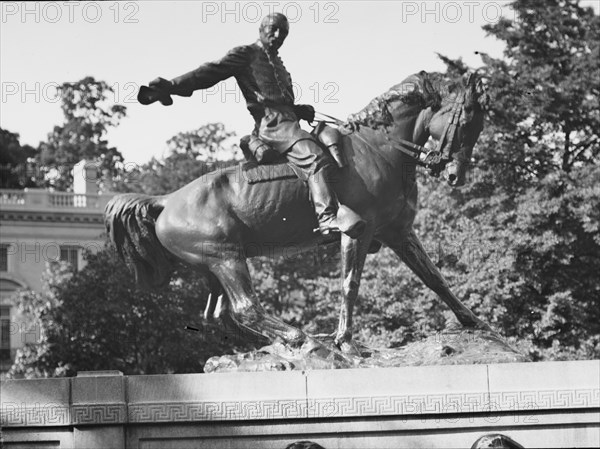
point(546, 88)
point(16, 168)
point(96, 319)
point(192, 154)
point(88, 114)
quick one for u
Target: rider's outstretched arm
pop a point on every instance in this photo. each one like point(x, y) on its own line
point(209, 74)
point(205, 76)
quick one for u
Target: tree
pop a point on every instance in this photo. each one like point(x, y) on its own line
point(16, 162)
point(209, 143)
point(96, 319)
point(523, 235)
point(191, 155)
point(88, 114)
point(546, 87)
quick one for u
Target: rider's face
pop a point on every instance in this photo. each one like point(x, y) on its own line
point(273, 34)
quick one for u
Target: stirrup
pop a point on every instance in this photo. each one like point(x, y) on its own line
point(325, 229)
point(353, 232)
point(347, 222)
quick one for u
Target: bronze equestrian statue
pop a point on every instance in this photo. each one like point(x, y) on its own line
point(220, 219)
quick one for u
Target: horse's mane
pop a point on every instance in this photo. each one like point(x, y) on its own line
point(422, 89)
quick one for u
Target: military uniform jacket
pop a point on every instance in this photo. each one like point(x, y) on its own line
point(262, 78)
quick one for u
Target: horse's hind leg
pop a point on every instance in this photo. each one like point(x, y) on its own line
point(411, 252)
point(244, 309)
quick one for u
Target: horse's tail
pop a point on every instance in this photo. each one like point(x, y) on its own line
point(129, 220)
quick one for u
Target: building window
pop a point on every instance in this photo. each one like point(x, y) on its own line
point(3, 257)
point(70, 254)
point(4, 333)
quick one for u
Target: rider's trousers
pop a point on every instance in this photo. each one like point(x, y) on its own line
point(280, 129)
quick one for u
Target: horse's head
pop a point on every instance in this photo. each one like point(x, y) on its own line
point(428, 104)
point(457, 123)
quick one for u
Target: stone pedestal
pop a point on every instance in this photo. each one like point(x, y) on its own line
point(552, 404)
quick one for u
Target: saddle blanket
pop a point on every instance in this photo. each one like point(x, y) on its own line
point(254, 173)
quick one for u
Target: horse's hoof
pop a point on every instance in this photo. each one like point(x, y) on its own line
point(484, 327)
point(295, 338)
point(481, 326)
point(348, 348)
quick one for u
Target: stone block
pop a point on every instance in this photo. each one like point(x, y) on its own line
point(397, 391)
point(538, 386)
point(39, 402)
point(201, 397)
point(98, 399)
point(98, 389)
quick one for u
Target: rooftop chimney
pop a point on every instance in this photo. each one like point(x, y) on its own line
point(85, 177)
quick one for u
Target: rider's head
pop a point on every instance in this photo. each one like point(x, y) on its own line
point(273, 30)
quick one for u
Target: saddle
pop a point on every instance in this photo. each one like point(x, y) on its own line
point(266, 164)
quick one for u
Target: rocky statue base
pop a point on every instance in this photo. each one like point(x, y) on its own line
point(454, 346)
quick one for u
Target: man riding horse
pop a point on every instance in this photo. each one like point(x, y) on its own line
point(267, 88)
point(213, 222)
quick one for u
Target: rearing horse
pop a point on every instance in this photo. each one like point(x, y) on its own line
point(218, 220)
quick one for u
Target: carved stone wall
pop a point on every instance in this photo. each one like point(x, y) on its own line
point(553, 404)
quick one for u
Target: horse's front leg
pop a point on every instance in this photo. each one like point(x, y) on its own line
point(354, 253)
point(408, 247)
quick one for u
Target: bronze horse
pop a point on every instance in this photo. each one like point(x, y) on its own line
point(218, 220)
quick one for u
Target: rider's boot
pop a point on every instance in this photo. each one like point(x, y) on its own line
point(332, 216)
point(337, 154)
point(331, 138)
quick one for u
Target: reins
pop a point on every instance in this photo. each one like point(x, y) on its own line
point(430, 159)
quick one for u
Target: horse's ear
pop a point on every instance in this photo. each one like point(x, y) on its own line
point(473, 82)
point(469, 79)
point(483, 98)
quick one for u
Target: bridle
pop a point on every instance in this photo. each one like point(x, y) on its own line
point(434, 160)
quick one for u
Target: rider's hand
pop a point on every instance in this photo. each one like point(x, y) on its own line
point(159, 89)
point(305, 112)
point(265, 155)
point(352, 123)
point(162, 85)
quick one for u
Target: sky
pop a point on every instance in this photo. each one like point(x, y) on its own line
point(340, 54)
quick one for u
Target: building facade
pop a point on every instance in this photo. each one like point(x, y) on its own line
point(37, 227)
